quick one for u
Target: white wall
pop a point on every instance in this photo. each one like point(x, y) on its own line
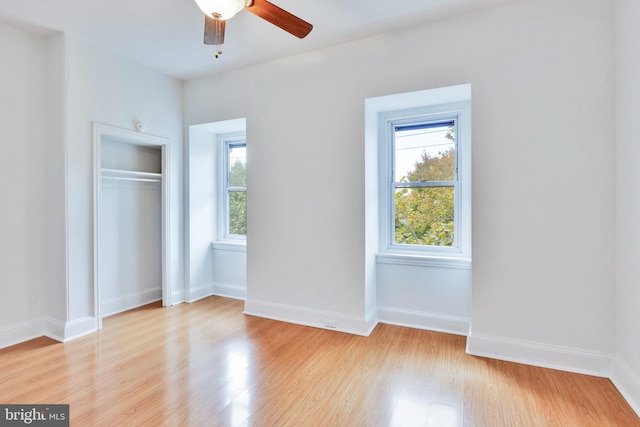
point(56, 248)
point(627, 38)
point(201, 211)
point(305, 233)
point(427, 297)
point(23, 184)
point(542, 86)
point(230, 271)
point(110, 90)
point(543, 190)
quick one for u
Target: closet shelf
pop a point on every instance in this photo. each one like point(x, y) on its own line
point(128, 175)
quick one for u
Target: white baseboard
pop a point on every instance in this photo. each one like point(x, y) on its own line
point(54, 329)
point(22, 331)
point(627, 382)
point(230, 291)
point(419, 320)
point(127, 302)
point(198, 293)
point(311, 317)
point(177, 297)
point(216, 288)
point(80, 327)
point(543, 355)
point(48, 327)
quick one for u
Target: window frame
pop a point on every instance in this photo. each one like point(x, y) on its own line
point(226, 142)
point(460, 113)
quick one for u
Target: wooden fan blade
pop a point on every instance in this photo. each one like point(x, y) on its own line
point(280, 18)
point(213, 30)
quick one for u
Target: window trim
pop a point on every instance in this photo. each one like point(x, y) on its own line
point(225, 142)
point(459, 111)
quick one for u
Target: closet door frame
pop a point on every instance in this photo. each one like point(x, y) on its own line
point(100, 132)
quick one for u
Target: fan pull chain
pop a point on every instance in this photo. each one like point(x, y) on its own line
point(218, 51)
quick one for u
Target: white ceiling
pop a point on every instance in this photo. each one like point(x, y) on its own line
point(166, 35)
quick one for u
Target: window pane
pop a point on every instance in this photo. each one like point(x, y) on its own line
point(237, 165)
point(425, 153)
point(238, 213)
point(424, 216)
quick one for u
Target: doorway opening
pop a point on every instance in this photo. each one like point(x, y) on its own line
point(130, 220)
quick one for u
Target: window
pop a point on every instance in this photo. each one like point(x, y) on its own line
point(234, 187)
point(424, 175)
point(424, 182)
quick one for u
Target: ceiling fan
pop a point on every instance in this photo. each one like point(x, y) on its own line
point(218, 11)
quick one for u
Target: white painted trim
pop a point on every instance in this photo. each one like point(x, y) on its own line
point(54, 329)
point(127, 302)
point(311, 317)
point(423, 261)
point(21, 332)
point(222, 204)
point(80, 327)
point(543, 355)
point(178, 297)
point(428, 321)
point(229, 246)
point(372, 320)
point(627, 382)
point(48, 327)
point(200, 292)
point(230, 291)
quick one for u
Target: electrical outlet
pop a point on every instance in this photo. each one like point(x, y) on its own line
point(330, 324)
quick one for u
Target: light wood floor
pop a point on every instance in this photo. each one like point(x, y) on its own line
point(207, 364)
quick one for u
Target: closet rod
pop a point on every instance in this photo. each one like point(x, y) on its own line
point(122, 178)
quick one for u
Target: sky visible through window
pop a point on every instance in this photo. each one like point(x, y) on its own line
point(410, 144)
point(238, 153)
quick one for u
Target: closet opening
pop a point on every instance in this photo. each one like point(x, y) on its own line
point(130, 220)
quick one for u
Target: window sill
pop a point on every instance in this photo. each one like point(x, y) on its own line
point(230, 246)
point(424, 261)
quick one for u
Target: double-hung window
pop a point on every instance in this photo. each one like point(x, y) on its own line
point(234, 183)
point(425, 181)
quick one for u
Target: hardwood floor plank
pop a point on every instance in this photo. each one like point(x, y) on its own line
point(207, 364)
